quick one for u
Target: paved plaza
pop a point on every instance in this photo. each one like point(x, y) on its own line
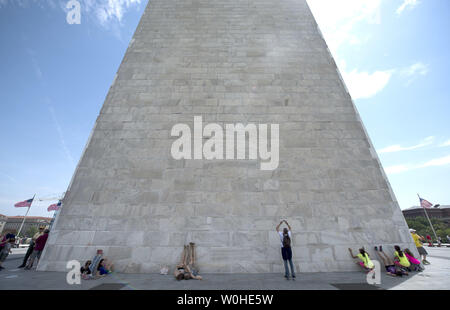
point(435, 277)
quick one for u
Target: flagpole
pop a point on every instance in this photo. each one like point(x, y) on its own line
point(20, 229)
point(429, 221)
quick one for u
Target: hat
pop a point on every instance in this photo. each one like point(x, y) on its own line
point(412, 230)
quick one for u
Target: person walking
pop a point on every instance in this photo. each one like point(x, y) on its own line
point(418, 241)
point(31, 246)
point(286, 249)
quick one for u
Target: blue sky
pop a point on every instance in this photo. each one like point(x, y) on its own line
point(393, 55)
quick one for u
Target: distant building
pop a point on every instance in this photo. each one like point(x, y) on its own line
point(13, 223)
point(3, 220)
point(442, 212)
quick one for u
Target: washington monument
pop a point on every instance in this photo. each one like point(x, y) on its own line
point(248, 64)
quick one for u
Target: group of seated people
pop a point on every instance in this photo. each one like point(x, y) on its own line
point(100, 266)
point(402, 263)
point(97, 267)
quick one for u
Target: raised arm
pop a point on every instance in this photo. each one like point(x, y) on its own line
point(351, 253)
point(289, 227)
point(278, 227)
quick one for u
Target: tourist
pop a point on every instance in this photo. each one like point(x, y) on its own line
point(286, 249)
point(418, 242)
point(6, 249)
point(85, 271)
point(389, 264)
point(192, 262)
point(4, 241)
point(364, 258)
point(103, 268)
point(183, 270)
point(31, 246)
point(95, 262)
point(38, 248)
point(400, 259)
point(416, 265)
point(430, 242)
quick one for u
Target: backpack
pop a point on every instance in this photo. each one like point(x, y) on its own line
point(286, 241)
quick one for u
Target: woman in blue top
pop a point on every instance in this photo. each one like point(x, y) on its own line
point(102, 269)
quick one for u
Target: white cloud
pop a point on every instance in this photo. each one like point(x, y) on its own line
point(407, 4)
point(446, 143)
point(107, 11)
point(363, 85)
point(396, 169)
point(412, 72)
point(337, 19)
point(438, 162)
point(399, 148)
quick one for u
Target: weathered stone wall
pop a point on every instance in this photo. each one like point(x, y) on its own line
point(232, 61)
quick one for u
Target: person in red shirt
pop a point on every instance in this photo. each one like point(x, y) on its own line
point(38, 248)
point(429, 241)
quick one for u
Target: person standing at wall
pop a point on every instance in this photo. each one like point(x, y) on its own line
point(31, 246)
point(286, 250)
point(38, 248)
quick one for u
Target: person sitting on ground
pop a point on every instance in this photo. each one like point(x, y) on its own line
point(85, 271)
point(8, 244)
point(102, 269)
point(364, 258)
point(38, 248)
point(416, 265)
point(391, 269)
point(401, 260)
point(95, 261)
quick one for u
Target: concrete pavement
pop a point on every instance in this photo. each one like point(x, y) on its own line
point(435, 277)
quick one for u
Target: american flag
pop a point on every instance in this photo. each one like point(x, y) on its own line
point(26, 203)
point(54, 207)
point(425, 203)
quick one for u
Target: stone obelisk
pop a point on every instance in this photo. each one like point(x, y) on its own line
point(235, 61)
